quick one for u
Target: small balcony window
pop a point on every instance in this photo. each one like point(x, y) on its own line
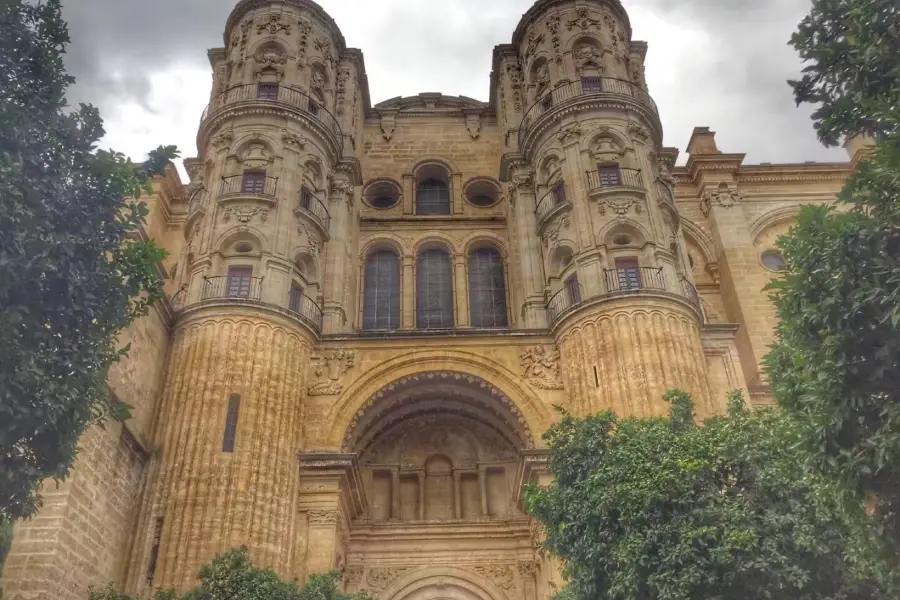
point(629, 273)
point(305, 198)
point(591, 85)
point(573, 290)
point(294, 297)
point(559, 192)
point(253, 182)
point(239, 282)
point(609, 175)
point(267, 91)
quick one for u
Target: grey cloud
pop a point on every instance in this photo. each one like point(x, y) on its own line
point(738, 88)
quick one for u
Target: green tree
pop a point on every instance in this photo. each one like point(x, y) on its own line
point(231, 576)
point(835, 364)
point(73, 271)
point(661, 509)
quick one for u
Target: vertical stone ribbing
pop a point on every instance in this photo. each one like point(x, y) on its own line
point(212, 501)
point(640, 350)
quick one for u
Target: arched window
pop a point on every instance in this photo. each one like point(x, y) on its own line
point(487, 289)
point(432, 197)
point(434, 290)
point(381, 295)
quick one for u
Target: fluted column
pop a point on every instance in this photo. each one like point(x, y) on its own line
point(408, 293)
point(337, 318)
point(207, 499)
point(531, 271)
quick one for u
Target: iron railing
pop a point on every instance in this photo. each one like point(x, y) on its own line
point(586, 86)
point(268, 92)
point(306, 308)
point(198, 200)
point(634, 279)
point(690, 291)
point(309, 204)
point(614, 178)
point(244, 288)
point(563, 300)
point(242, 185)
point(555, 197)
point(178, 299)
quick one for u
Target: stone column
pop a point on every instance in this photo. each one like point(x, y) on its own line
point(482, 490)
point(395, 494)
point(528, 572)
point(337, 262)
point(530, 265)
point(461, 290)
point(408, 293)
point(457, 496)
point(421, 495)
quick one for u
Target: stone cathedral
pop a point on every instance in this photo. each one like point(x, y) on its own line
point(372, 309)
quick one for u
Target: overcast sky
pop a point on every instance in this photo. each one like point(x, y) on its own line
point(716, 63)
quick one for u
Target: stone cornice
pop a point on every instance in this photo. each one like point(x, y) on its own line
point(774, 173)
point(542, 7)
point(532, 464)
point(431, 105)
point(245, 6)
point(345, 466)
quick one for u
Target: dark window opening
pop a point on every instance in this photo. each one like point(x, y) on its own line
point(383, 202)
point(482, 200)
point(253, 182)
point(591, 85)
point(154, 549)
point(239, 279)
point(267, 91)
point(432, 198)
point(381, 291)
point(306, 198)
point(294, 297)
point(234, 403)
point(487, 289)
point(547, 102)
point(559, 191)
point(596, 377)
point(434, 290)
point(629, 273)
point(573, 290)
point(609, 175)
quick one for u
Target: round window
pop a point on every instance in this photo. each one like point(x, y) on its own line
point(244, 247)
point(383, 202)
point(622, 239)
point(772, 260)
point(482, 200)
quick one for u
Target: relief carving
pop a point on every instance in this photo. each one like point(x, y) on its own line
point(353, 574)
point(388, 123)
point(723, 196)
point(304, 27)
point(273, 25)
point(582, 20)
point(245, 213)
point(638, 131)
point(528, 569)
point(515, 81)
point(381, 578)
point(473, 125)
point(323, 517)
point(239, 44)
point(324, 49)
point(551, 236)
point(332, 365)
point(292, 141)
point(270, 59)
point(255, 156)
point(666, 181)
point(620, 206)
point(587, 55)
point(534, 41)
point(569, 134)
point(501, 575)
point(222, 140)
point(553, 28)
point(540, 367)
point(542, 78)
point(342, 79)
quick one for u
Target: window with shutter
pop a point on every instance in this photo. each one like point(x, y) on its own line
point(629, 273)
point(253, 182)
point(609, 175)
point(267, 91)
point(487, 289)
point(381, 291)
point(559, 191)
point(573, 290)
point(239, 279)
point(294, 297)
point(434, 290)
point(591, 85)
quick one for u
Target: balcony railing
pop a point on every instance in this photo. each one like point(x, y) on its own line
point(555, 197)
point(613, 178)
point(198, 200)
point(585, 87)
point(178, 299)
point(243, 185)
point(306, 308)
point(691, 293)
point(240, 288)
point(309, 204)
point(268, 92)
point(563, 300)
point(635, 279)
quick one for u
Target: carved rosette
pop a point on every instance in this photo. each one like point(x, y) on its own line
point(724, 196)
point(582, 20)
point(272, 23)
point(540, 367)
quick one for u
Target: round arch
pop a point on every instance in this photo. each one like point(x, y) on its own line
point(447, 582)
point(438, 240)
point(382, 241)
point(413, 166)
point(700, 238)
point(239, 233)
point(481, 239)
point(773, 217)
point(504, 386)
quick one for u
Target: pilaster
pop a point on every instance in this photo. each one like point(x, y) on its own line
point(531, 272)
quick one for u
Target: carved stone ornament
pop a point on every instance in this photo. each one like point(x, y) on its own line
point(503, 576)
point(542, 78)
point(270, 59)
point(551, 236)
point(666, 180)
point(722, 196)
point(342, 78)
point(292, 141)
point(569, 134)
point(323, 517)
point(534, 41)
point(324, 48)
point(239, 45)
point(341, 186)
point(304, 27)
point(223, 139)
point(582, 20)
point(313, 243)
point(713, 270)
point(605, 148)
point(473, 125)
point(317, 81)
point(636, 130)
point(540, 367)
point(353, 574)
point(245, 213)
point(380, 578)
point(273, 25)
point(388, 123)
point(528, 569)
point(255, 156)
point(620, 206)
point(332, 365)
point(587, 55)
point(524, 180)
point(553, 28)
point(514, 70)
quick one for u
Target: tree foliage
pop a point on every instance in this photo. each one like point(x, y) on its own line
point(231, 576)
point(853, 52)
point(661, 509)
point(835, 364)
point(73, 271)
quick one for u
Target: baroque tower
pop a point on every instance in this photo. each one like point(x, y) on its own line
point(372, 310)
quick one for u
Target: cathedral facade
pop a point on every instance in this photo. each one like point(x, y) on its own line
point(372, 310)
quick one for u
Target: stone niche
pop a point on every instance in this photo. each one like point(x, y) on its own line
point(439, 467)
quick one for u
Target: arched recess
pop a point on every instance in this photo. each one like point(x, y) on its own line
point(241, 233)
point(442, 582)
point(771, 218)
point(700, 239)
point(499, 387)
